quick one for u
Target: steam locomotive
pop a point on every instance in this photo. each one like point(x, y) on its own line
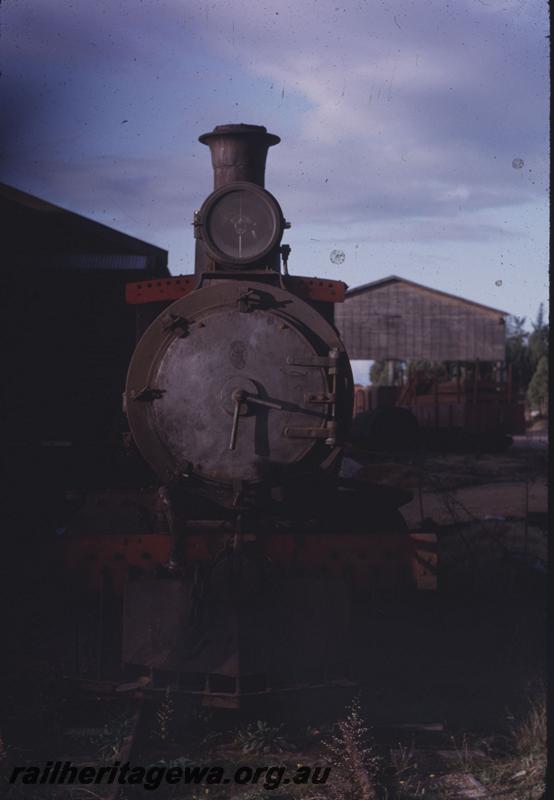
point(239, 396)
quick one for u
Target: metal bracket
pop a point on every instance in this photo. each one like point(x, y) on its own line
point(329, 362)
point(148, 394)
point(197, 225)
point(175, 322)
point(328, 432)
point(285, 253)
point(238, 492)
point(254, 299)
point(305, 433)
point(320, 397)
point(248, 301)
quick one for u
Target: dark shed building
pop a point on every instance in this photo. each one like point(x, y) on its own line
point(397, 319)
point(67, 333)
point(40, 236)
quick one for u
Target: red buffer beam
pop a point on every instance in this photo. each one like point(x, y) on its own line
point(156, 290)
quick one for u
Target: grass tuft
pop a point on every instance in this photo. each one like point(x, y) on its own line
point(165, 717)
point(261, 737)
point(516, 764)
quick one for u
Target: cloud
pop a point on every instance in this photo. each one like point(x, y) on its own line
point(413, 109)
point(445, 229)
point(132, 193)
point(391, 112)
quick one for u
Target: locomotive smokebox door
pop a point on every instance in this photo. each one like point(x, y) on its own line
point(240, 382)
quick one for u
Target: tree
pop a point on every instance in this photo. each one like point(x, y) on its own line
point(538, 339)
point(387, 373)
point(517, 352)
point(378, 373)
point(537, 393)
point(428, 370)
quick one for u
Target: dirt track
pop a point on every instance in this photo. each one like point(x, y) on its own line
point(452, 488)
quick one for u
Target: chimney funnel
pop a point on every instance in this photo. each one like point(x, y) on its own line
point(239, 152)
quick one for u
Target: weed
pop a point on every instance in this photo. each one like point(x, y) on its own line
point(354, 758)
point(261, 737)
point(401, 777)
point(109, 739)
point(528, 737)
point(402, 759)
point(529, 734)
point(515, 764)
point(164, 717)
point(464, 753)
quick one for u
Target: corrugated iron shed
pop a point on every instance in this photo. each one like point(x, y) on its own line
point(397, 319)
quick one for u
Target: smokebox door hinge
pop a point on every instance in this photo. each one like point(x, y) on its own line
point(328, 362)
point(328, 432)
point(147, 394)
point(320, 397)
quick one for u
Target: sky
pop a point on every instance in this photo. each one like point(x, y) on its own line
point(414, 134)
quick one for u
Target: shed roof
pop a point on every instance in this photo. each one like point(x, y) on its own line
point(372, 285)
point(33, 225)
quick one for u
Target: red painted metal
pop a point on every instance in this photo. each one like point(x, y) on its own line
point(159, 290)
point(155, 291)
point(87, 557)
point(316, 288)
point(473, 407)
point(376, 562)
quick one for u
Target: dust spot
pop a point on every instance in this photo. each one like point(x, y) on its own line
point(498, 283)
point(337, 256)
point(518, 163)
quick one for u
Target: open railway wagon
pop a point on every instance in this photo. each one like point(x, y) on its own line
point(235, 573)
point(474, 404)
